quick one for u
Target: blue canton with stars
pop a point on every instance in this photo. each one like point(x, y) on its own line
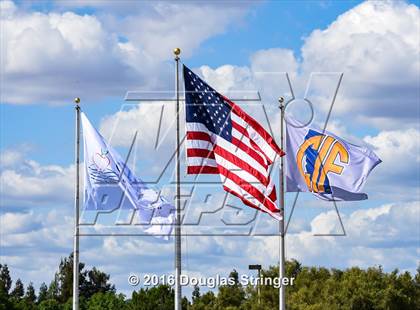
point(205, 105)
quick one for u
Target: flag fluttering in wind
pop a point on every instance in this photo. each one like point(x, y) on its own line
point(324, 164)
point(222, 139)
point(110, 184)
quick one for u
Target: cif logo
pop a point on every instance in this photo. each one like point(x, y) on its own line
point(319, 155)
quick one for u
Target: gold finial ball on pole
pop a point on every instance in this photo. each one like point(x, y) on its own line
point(177, 51)
point(77, 100)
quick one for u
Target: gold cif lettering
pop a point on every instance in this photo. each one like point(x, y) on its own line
point(329, 149)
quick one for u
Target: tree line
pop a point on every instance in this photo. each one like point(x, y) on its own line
point(315, 288)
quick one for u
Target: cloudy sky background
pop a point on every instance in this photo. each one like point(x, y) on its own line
point(52, 52)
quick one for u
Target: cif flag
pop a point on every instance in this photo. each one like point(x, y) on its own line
point(110, 184)
point(222, 139)
point(324, 164)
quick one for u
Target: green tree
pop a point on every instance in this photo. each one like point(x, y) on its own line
point(50, 304)
point(5, 285)
point(231, 295)
point(106, 301)
point(315, 288)
point(18, 291)
point(69, 303)
point(43, 293)
point(185, 303)
point(205, 301)
point(28, 301)
point(65, 278)
point(90, 281)
point(30, 296)
point(159, 297)
point(54, 288)
point(5, 303)
point(96, 282)
point(5, 279)
point(196, 293)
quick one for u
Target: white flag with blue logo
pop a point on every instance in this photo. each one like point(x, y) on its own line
point(324, 164)
point(109, 184)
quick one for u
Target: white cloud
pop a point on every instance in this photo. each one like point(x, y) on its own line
point(399, 146)
point(387, 235)
point(16, 222)
point(397, 177)
point(33, 242)
point(69, 54)
point(153, 122)
point(7, 8)
point(376, 46)
point(99, 56)
point(274, 60)
point(184, 25)
point(25, 182)
point(44, 231)
point(227, 78)
point(266, 74)
point(10, 158)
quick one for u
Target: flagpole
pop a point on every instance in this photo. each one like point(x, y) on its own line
point(282, 292)
point(178, 292)
point(76, 211)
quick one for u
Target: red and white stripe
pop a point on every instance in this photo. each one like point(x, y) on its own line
point(243, 164)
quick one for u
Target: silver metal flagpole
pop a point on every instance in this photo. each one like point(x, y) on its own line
point(76, 212)
point(282, 292)
point(178, 292)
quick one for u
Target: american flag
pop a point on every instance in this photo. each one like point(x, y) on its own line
point(223, 139)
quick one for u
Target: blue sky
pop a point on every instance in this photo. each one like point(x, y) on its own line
point(98, 50)
point(284, 24)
